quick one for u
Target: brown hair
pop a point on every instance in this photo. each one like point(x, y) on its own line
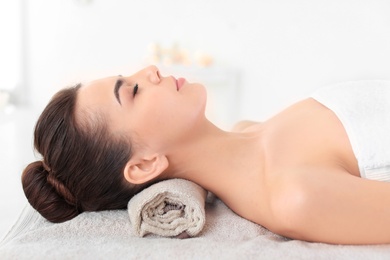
point(82, 164)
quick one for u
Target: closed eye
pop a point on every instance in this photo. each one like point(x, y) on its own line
point(135, 90)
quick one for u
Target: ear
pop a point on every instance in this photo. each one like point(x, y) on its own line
point(138, 171)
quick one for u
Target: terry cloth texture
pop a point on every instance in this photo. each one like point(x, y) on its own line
point(109, 235)
point(168, 208)
point(363, 107)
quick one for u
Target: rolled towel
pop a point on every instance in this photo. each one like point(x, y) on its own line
point(168, 208)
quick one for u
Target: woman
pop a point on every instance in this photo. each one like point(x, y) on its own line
point(296, 173)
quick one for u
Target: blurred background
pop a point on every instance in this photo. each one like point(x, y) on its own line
point(254, 56)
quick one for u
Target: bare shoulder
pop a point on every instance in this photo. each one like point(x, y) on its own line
point(244, 125)
point(331, 206)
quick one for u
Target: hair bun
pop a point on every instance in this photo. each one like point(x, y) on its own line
point(47, 195)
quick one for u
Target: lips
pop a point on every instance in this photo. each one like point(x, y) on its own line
point(180, 82)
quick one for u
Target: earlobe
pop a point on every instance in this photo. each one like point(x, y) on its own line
point(145, 169)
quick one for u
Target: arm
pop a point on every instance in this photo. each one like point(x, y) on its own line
point(333, 207)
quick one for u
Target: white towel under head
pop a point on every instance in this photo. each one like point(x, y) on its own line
point(168, 208)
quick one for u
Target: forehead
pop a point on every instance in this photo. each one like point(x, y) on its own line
point(96, 94)
point(100, 83)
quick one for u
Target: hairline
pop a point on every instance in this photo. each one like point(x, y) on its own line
point(95, 120)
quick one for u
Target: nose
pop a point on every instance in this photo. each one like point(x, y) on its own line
point(153, 74)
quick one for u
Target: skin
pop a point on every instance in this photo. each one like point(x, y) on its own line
point(295, 173)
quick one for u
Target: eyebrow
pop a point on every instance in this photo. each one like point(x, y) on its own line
point(118, 85)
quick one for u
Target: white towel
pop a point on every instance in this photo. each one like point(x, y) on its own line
point(168, 208)
point(109, 235)
point(363, 108)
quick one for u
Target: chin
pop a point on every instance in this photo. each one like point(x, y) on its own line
point(204, 99)
point(203, 91)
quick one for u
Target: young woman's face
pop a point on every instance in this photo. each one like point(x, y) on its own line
point(157, 111)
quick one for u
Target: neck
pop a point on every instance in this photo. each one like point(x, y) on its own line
point(216, 159)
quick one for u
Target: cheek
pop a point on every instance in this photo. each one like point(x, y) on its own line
point(154, 115)
point(170, 114)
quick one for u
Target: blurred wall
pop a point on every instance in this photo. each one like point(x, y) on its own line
point(283, 49)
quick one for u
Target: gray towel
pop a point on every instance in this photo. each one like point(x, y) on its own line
point(109, 235)
point(169, 208)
